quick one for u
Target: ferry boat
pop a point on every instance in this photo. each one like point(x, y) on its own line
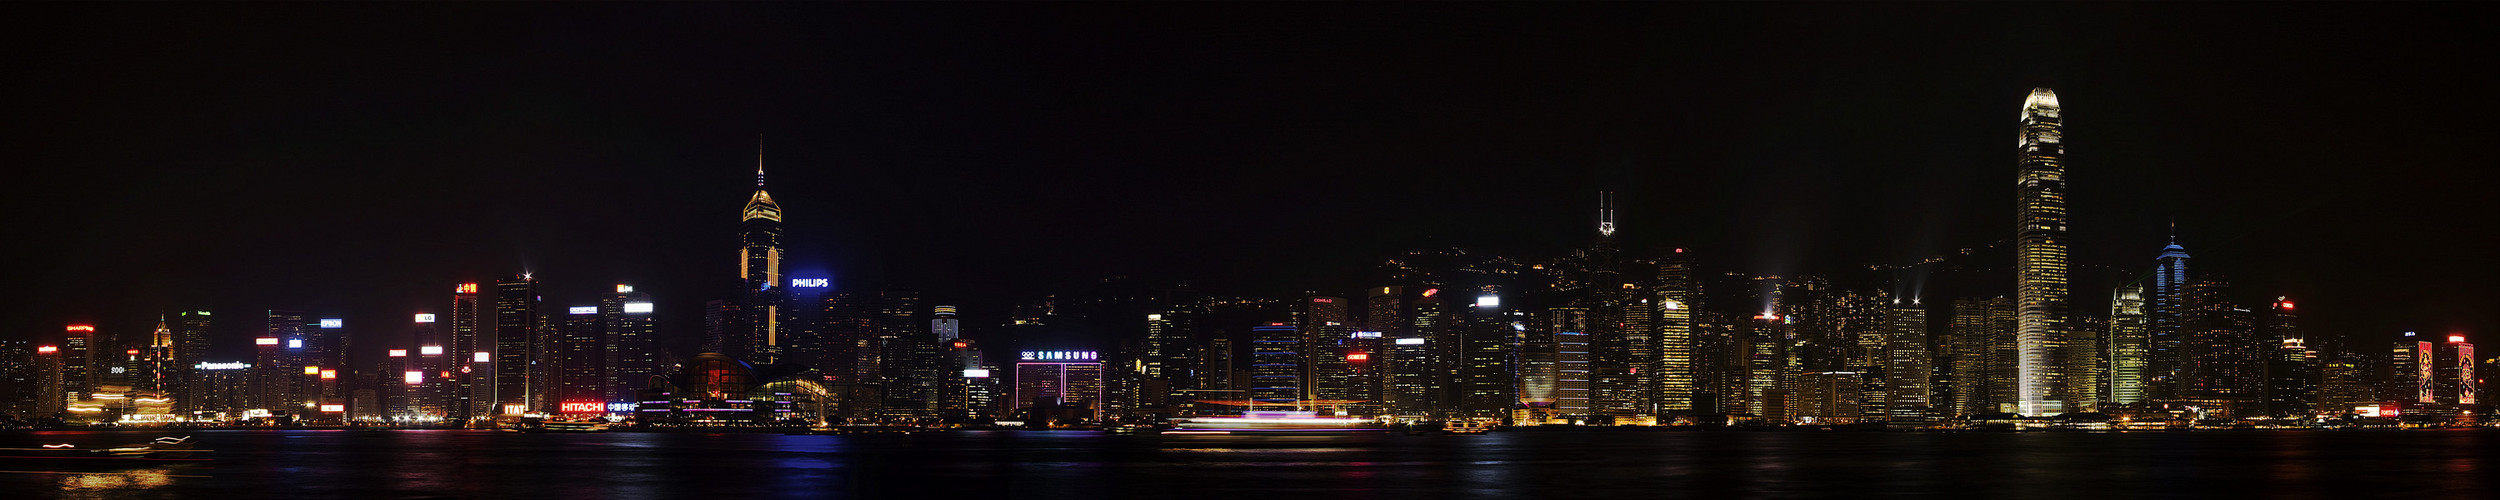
point(1467, 426)
point(1274, 422)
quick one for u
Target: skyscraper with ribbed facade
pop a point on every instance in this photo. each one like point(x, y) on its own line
point(2040, 261)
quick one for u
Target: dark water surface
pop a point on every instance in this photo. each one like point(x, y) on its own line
point(1511, 465)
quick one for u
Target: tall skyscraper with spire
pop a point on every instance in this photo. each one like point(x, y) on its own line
point(2040, 262)
point(2166, 308)
point(759, 325)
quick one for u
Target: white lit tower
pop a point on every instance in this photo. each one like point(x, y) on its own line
point(2040, 261)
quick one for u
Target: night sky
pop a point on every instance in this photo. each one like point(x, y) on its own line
point(357, 160)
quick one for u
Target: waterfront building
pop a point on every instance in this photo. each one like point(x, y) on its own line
point(2166, 320)
point(2453, 369)
point(79, 370)
point(1275, 365)
point(2291, 376)
point(1059, 386)
point(1325, 324)
point(1827, 398)
point(631, 356)
point(18, 391)
point(2129, 345)
point(756, 331)
point(1561, 378)
point(190, 349)
point(1677, 384)
point(583, 359)
point(1910, 365)
point(465, 364)
point(51, 389)
point(1983, 332)
point(518, 348)
point(2225, 363)
point(2040, 263)
point(2411, 371)
point(1486, 375)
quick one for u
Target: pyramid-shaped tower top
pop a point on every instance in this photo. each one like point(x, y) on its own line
point(761, 204)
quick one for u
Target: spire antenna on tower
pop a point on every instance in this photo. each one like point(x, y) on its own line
point(759, 160)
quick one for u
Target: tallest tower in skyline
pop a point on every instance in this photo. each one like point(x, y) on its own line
point(2040, 262)
point(759, 228)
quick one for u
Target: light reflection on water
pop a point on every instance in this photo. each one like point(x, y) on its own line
point(397, 464)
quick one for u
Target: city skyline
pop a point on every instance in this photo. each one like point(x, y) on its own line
point(1528, 201)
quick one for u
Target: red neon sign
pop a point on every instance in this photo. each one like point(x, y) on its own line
point(962, 344)
point(82, 328)
point(135, 352)
point(582, 407)
point(49, 349)
point(1357, 357)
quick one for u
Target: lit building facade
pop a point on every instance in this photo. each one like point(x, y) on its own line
point(1066, 385)
point(756, 333)
point(2166, 323)
point(2040, 264)
point(465, 364)
point(518, 347)
point(2129, 345)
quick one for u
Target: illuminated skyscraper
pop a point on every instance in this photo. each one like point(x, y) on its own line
point(2223, 356)
point(18, 391)
point(190, 348)
point(1067, 384)
point(281, 362)
point(1275, 365)
point(517, 388)
point(1326, 325)
point(633, 342)
point(581, 368)
point(1909, 365)
point(156, 361)
point(2041, 320)
point(51, 388)
point(757, 331)
point(1677, 297)
point(1555, 368)
point(1169, 367)
point(2452, 371)
point(79, 370)
point(2411, 373)
point(2291, 381)
point(1986, 361)
point(467, 362)
point(2128, 349)
point(1487, 371)
point(2166, 322)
